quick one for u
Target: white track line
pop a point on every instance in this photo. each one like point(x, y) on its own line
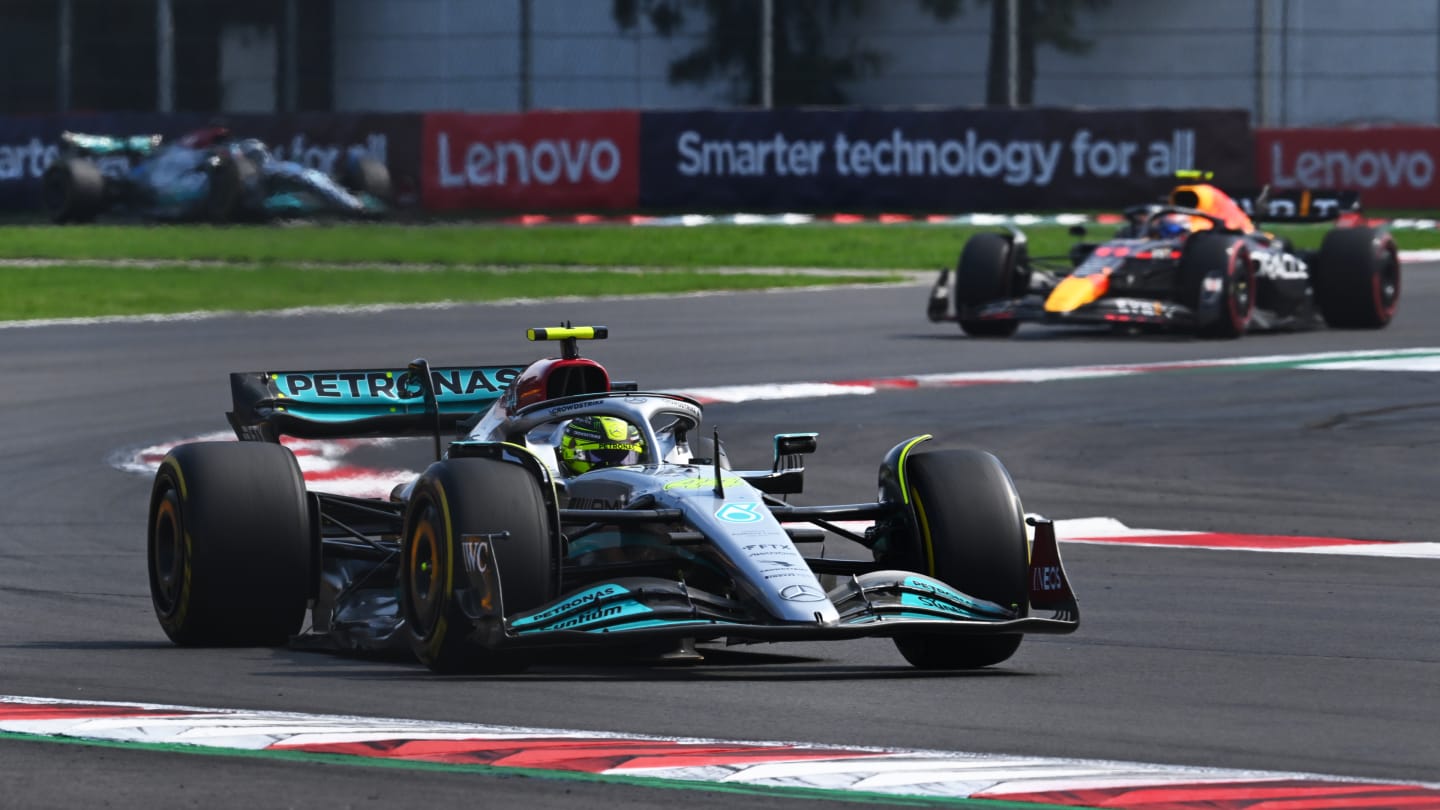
point(898, 772)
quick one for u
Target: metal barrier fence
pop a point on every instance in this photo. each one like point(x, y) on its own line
point(1288, 62)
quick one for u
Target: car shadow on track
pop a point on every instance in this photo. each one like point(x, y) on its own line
point(718, 665)
point(95, 644)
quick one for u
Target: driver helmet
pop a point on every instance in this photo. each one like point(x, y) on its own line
point(592, 442)
point(1170, 226)
point(254, 149)
point(204, 138)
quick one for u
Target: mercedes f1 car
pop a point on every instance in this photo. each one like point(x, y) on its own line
point(1195, 262)
point(495, 553)
point(205, 176)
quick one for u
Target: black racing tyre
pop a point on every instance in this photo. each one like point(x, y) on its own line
point(982, 275)
point(1204, 253)
point(1357, 278)
point(73, 190)
point(231, 178)
point(230, 548)
point(495, 502)
point(366, 175)
point(971, 535)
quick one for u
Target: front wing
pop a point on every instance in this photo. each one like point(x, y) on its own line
point(1114, 310)
point(878, 603)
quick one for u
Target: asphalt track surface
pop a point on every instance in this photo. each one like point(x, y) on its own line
point(1317, 663)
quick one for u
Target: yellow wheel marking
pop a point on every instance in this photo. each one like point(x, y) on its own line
point(181, 608)
point(904, 453)
point(445, 558)
point(925, 539)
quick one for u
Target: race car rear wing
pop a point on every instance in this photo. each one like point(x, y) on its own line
point(101, 145)
point(350, 403)
point(1298, 205)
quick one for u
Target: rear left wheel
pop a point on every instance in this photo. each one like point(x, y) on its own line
point(229, 544)
point(366, 175)
point(73, 191)
point(1217, 282)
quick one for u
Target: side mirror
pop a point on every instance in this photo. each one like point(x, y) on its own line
point(790, 445)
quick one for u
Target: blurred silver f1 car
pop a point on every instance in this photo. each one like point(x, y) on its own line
point(521, 537)
point(1195, 263)
point(204, 176)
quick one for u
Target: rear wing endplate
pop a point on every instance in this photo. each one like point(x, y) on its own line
point(349, 403)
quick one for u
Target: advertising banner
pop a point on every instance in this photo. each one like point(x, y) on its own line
point(530, 161)
point(935, 160)
point(1391, 167)
point(318, 140)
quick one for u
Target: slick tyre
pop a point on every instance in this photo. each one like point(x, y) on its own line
point(73, 191)
point(970, 534)
point(495, 507)
point(366, 175)
point(985, 274)
point(1205, 254)
point(1357, 278)
point(231, 179)
point(230, 549)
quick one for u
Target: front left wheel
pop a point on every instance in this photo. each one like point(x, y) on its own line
point(985, 274)
point(1217, 282)
point(366, 175)
point(229, 544)
point(969, 534)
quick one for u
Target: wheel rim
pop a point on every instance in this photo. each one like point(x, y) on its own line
point(424, 575)
point(1387, 285)
point(167, 556)
point(1242, 298)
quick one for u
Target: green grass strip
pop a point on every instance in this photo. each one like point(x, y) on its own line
point(838, 795)
point(93, 291)
point(859, 246)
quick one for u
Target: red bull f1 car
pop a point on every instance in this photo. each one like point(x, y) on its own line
point(1195, 262)
point(497, 553)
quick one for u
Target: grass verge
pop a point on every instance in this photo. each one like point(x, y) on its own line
point(266, 267)
point(863, 246)
point(91, 291)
